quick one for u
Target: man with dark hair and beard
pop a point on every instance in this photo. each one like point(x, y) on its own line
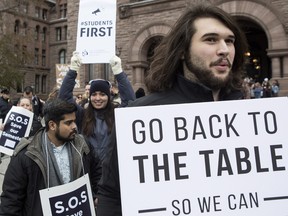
point(56, 155)
point(200, 60)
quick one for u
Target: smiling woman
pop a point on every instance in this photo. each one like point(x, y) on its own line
point(96, 120)
point(26, 103)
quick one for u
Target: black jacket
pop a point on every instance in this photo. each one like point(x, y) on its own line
point(5, 107)
point(26, 175)
point(100, 139)
point(183, 91)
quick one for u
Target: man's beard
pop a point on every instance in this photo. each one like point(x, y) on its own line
point(64, 139)
point(205, 76)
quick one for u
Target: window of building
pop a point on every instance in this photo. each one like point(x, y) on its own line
point(24, 54)
point(37, 32)
point(107, 71)
point(62, 57)
point(37, 12)
point(25, 28)
point(17, 27)
point(44, 14)
point(37, 83)
point(43, 57)
point(63, 11)
point(36, 56)
point(44, 32)
point(19, 86)
point(16, 48)
point(65, 32)
point(58, 34)
point(44, 84)
point(25, 8)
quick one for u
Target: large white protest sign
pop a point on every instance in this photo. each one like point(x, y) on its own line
point(217, 158)
point(74, 198)
point(96, 30)
point(17, 124)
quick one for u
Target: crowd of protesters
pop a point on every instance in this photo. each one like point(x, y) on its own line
point(255, 89)
point(81, 127)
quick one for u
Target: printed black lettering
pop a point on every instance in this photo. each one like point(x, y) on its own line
point(197, 123)
point(180, 126)
point(229, 125)
point(140, 160)
point(179, 165)
point(212, 126)
point(223, 157)
point(207, 161)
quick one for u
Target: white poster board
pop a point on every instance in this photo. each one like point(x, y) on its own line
point(217, 158)
point(74, 198)
point(17, 124)
point(61, 71)
point(96, 30)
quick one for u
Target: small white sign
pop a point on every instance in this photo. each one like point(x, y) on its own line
point(17, 124)
point(61, 71)
point(96, 30)
point(74, 198)
point(217, 158)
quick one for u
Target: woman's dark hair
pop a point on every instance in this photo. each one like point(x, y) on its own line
point(54, 110)
point(89, 119)
point(140, 93)
point(167, 62)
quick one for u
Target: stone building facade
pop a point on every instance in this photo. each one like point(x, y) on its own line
point(141, 24)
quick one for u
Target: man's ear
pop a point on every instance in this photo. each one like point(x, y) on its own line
point(52, 125)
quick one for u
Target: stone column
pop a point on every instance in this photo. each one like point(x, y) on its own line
point(285, 66)
point(139, 68)
point(138, 77)
point(276, 67)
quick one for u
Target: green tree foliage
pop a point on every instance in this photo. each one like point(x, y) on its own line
point(12, 59)
point(14, 46)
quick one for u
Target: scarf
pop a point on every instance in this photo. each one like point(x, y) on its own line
point(54, 176)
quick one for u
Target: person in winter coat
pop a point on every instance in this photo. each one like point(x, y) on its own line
point(97, 120)
point(27, 104)
point(5, 104)
point(55, 156)
point(200, 60)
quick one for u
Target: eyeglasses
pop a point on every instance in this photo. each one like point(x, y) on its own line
point(79, 97)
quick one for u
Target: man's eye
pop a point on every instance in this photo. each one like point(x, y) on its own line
point(211, 39)
point(69, 123)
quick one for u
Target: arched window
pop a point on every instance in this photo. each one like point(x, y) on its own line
point(58, 34)
point(25, 28)
point(65, 32)
point(37, 32)
point(62, 56)
point(17, 27)
point(44, 32)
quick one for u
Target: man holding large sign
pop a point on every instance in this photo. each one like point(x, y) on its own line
point(201, 59)
point(204, 159)
point(54, 157)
